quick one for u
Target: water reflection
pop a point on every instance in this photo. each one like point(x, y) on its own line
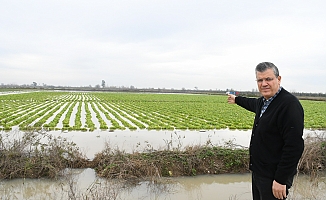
point(225, 186)
point(83, 184)
point(30, 189)
point(143, 140)
point(200, 187)
point(91, 143)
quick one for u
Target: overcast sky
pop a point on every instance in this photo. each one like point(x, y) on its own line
point(208, 44)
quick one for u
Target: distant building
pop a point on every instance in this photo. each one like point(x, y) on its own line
point(233, 92)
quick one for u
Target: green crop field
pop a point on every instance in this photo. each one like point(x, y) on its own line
point(88, 111)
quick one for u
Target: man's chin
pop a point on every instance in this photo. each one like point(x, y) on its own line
point(266, 94)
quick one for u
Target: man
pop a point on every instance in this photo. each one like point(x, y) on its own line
point(276, 143)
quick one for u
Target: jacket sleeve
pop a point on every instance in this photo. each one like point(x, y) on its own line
point(292, 123)
point(250, 104)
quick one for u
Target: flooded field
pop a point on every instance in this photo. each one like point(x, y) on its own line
point(82, 182)
point(143, 140)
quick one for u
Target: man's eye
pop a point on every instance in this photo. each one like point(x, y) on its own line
point(266, 79)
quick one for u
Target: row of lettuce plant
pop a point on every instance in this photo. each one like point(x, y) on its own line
point(52, 125)
point(118, 117)
point(132, 122)
point(89, 122)
point(36, 114)
point(103, 125)
point(66, 120)
point(47, 116)
point(11, 111)
point(114, 122)
point(23, 115)
point(78, 123)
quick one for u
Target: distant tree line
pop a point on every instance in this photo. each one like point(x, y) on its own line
point(102, 87)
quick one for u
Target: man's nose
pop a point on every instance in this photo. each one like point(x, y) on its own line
point(264, 82)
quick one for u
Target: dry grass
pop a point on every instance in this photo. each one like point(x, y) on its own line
point(36, 154)
point(311, 184)
point(313, 159)
point(165, 163)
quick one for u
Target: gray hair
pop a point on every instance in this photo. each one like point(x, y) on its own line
point(261, 67)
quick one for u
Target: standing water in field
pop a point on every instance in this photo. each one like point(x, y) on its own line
point(94, 142)
point(142, 140)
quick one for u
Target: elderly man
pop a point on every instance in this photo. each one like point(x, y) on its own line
point(276, 141)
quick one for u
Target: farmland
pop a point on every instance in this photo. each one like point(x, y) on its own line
point(89, 111)
point(42, 154)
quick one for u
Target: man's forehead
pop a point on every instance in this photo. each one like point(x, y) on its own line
point(266, 73)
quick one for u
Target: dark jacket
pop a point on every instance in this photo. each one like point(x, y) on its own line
point(276, 141)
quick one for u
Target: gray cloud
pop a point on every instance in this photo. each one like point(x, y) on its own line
point(162, 44)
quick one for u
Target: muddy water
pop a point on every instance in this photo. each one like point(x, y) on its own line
point(143, 140)
point(201, 187)
point(227, 186)
point(83, 183)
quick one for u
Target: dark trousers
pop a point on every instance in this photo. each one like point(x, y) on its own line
point(262, 187)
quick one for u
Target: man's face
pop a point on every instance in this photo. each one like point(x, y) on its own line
point(267, 83)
